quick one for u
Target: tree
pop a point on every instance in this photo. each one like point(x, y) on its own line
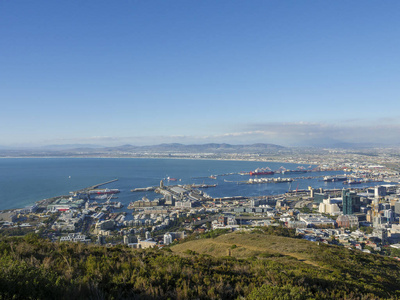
point(208, 225)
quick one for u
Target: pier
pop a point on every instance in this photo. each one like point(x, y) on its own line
point(204, 186)
point(100, 184)
point(84, 190)
point(146, 189)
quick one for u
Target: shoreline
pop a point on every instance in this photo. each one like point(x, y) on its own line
point(150, 157)
point(51, 199)
point(39, 202)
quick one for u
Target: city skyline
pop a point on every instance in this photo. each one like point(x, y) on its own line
point(289, 73)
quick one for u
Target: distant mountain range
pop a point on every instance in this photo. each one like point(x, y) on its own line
point(70, 150)
point(201, 148)
point(91, 150)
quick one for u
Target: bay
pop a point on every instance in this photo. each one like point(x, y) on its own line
point(24, 181)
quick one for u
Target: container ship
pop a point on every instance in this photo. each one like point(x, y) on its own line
point(283, 170)
point(293, 171)
point(261, 171)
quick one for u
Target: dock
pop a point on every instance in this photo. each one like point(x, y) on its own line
point(146, 189)
point(84, 190)
point(100, 184)
point(204, 186)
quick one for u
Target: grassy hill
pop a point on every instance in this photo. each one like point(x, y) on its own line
point(260, 266)
point(247, 244)
point(293, 264)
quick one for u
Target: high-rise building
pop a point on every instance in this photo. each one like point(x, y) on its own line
point(130, 239)
point(379, 191)
point(147, 235)
point(397, 207)
point(382, 234)
point(351, 202)
point(167, 238)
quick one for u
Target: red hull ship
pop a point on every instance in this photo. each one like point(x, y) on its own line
point(104, 191)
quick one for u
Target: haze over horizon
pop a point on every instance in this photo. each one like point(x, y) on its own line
point(238, 72)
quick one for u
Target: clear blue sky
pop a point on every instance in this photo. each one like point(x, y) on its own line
point(147, 72)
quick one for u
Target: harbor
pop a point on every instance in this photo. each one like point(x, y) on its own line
point(124, 211)
point(219, 182)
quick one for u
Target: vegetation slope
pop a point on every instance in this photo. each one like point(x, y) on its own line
point(257, 265)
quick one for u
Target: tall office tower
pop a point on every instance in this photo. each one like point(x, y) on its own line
point(351, 202)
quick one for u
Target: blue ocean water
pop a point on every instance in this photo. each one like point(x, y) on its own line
point(24, 181)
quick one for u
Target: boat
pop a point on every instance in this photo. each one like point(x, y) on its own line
point(335, 178)
point(293, 171)
point(100, 196)
point(261, 171)
point(104, 191)
point(171, 179)
point(352, 181)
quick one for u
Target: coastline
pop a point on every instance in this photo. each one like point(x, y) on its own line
point(52, 198)
point(150, 157)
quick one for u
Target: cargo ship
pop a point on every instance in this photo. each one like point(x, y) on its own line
point(293, 171)
point(283, 170)
point(104, 191)
point(261, 171)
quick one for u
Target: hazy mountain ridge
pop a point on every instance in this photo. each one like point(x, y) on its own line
point(201, 148)
point(68, 150)
point(127, 150)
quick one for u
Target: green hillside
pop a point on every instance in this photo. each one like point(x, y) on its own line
point(260, 266)
point(304, 268)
